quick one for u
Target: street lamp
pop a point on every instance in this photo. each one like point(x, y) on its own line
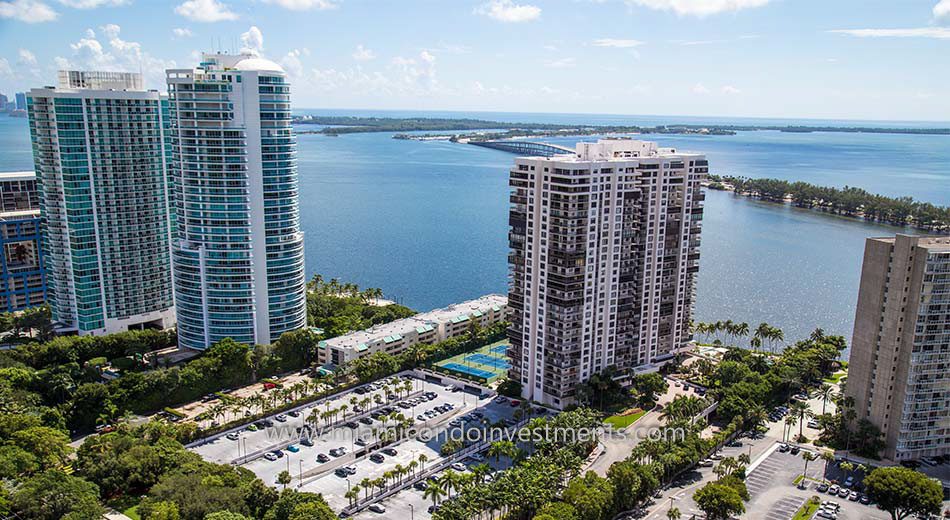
point(412, 512)
point(300, 472)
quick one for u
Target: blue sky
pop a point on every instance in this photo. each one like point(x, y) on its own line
point(838, 59)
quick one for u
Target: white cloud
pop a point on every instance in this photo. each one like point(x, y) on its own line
point(699, 88)
point(698, 7)
point(941, 33)
point(620, 44)
point(252, 41)
point(92, 4)
point(26, 57)
point(942, 12)
point(508, 11)
point(729, 89)
point(118, 55)
point(182, 32)
point(29, 11)
point(304, 5)
point(206, 11)
point(562, 63)
point(6, 71)
point(363, 54)
point(292, 64)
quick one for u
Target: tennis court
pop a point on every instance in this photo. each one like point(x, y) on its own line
point(494, 362)
point(488, 362)
point(469, 370)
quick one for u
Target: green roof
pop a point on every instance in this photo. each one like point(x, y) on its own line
point(361, 347)
point(496, 308)
point(477, 314)
point(394, 337)
point(322, 344)
point(460, 319)
point(424, 328)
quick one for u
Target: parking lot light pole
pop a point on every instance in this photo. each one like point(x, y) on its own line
point(300, 472)
point(412, 512)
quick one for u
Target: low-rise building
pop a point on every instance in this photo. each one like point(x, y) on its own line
point(424, 328)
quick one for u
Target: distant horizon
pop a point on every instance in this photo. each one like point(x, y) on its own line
point(618, 114)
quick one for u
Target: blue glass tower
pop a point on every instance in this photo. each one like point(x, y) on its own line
point(238, 252)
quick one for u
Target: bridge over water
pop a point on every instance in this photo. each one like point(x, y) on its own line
point(526, 148)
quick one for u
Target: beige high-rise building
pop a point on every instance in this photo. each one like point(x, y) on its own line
point(899, 371)
point(604, 249)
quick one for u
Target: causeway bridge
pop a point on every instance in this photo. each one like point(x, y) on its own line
point(526, 148)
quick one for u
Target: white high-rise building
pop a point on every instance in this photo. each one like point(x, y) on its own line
point(238, 255)
point(604, 250)
point(99, 149)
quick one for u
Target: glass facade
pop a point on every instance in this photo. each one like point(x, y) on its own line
point(238, 251)
point(100, 166)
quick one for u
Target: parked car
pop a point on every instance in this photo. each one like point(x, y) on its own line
point(848, 482)
point(366, 420)
point(783, 447)
point(477, 457)
point(323, 458)
point(822, 487)
point(377, 508)
point(706, 463)
point(458, 466)
point(233, 436)
point(306, 441)
point(281, 418)
point(795, 450)
point(833, 490)
point(812, 423)
point(270, 456)
point(390, 451)
point(865, 499)
point(293, 449)
point(293, 413)
point(422, 485)
point(377, 458)
point(844, 493)
point(854, 496)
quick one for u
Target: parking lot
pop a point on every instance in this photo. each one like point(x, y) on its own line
point(249, 442)
point(333, 486)
point(774, 495)
point(348, 454)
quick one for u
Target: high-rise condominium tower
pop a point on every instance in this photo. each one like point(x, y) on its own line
point(238, 255)
point(604, 249)
point(899, 371)
point(99, 153)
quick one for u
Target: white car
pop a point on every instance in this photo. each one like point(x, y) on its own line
point(458, 466)
point(477, 457)
point(270, 456)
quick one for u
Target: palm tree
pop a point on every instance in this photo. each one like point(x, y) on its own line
point(367, 485)
point(435, 491)
point(353, 495)
point(423, 458)
point(450, 481)
point(790, 421)
point(825, 392)
point(808, 457)
point(673, 513)
point(827, 456)
point(802, 412)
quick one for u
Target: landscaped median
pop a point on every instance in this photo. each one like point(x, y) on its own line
point(808, 509)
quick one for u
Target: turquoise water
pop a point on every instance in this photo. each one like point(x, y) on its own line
point(427, 221)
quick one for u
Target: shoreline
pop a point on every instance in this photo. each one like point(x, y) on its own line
point(788, 202)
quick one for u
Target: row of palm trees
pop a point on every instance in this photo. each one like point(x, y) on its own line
point(334, 287)
point(231, 408)
point(763, 333)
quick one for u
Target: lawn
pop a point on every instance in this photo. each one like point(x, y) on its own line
point(622, 421)
point(807, 510)
point(833, 380)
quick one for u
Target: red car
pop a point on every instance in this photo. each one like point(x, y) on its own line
point(269, 386)
point(514, 403)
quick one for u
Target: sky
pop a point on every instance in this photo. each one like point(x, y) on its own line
point(826, 59)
